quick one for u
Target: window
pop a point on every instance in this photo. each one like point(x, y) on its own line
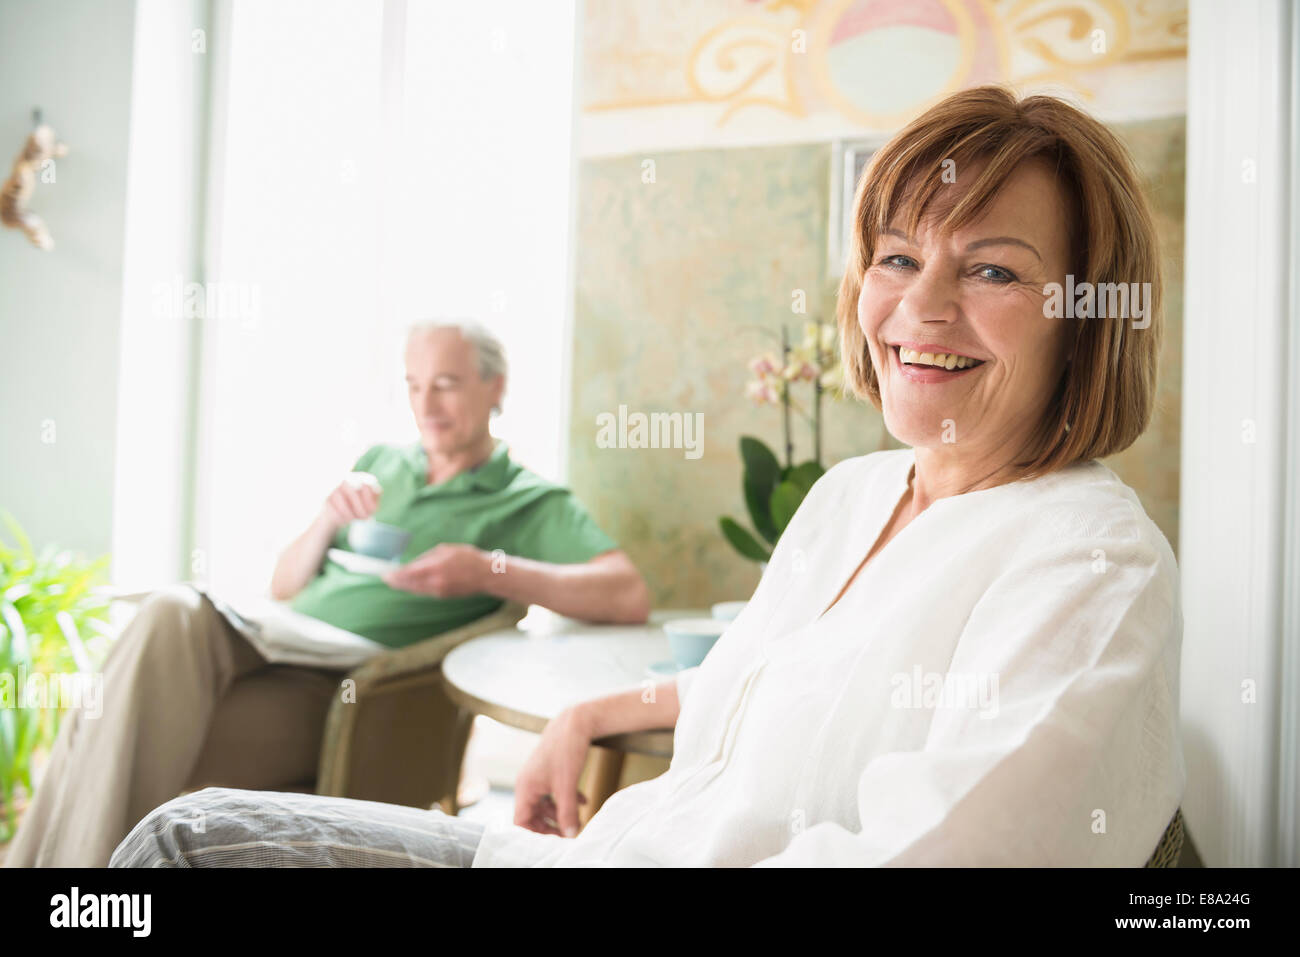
point(373, 163)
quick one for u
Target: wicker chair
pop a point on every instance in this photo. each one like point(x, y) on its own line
point(1171, 844)
point(400, 739)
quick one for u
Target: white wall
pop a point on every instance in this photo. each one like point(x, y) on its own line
point(60, 311)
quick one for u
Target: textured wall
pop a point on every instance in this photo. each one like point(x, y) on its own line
point(681, 281)
point(1151, 464)
point(704, 74)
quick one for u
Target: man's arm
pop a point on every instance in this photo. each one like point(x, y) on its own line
point(356, 497)
point(300, 562)
point(606, 589)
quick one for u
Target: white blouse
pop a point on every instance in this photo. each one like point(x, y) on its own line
point(999, 686)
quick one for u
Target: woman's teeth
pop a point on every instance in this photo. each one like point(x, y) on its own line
point(943, 360)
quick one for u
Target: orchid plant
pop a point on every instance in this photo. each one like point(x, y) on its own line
point(774, 492)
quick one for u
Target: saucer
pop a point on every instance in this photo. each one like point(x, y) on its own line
point(362, 564)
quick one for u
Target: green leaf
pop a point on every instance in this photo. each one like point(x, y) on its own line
point(75, 645)
point(785, 502)
point(19, 647)
point(8, 752)
point(742, 541)
point(762, 473)
point(805, 476)
point(24, 543)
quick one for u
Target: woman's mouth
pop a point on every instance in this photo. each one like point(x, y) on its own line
point(919, 366)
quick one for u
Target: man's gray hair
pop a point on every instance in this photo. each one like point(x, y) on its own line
point(491, 354)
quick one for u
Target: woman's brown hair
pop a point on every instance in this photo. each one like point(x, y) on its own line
point(1107, 391)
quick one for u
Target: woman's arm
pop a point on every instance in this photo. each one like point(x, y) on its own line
point(637, 709)
point(546, 790)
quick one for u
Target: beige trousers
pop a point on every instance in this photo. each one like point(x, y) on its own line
point(187, 703)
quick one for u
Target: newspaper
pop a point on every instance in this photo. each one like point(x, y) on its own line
point(284, 636)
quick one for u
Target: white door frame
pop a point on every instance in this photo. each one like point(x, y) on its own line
point(1240, 477)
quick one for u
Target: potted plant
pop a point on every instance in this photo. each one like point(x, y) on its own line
point(53, 621)
point(773, 492)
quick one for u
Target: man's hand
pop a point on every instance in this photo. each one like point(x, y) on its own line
point(355, 499)
point(444, 571)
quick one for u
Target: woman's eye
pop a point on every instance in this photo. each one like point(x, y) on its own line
point(897, 262)
point(996, 274)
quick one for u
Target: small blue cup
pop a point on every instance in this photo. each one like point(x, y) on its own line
point(728, 610)
point(692, 638)
point(378, 540)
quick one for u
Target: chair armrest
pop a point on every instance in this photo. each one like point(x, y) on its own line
point(389, 668)
point(427, 654)
point(1170, 847)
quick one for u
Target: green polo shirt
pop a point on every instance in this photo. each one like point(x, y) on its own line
point(499, 504)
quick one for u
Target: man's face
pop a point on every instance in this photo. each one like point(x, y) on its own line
point(451, 404)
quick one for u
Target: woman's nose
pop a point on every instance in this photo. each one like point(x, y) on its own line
point(931, 298)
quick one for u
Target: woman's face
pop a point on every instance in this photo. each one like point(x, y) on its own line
point(976, 297)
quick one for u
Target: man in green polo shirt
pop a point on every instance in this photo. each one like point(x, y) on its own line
point(188, 701)
point(483, 528)
point(457, 526)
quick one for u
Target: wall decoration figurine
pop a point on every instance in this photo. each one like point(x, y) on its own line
point(37, 157)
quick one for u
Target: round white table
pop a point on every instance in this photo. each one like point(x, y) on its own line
point(525, 676)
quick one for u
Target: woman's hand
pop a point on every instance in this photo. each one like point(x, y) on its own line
point(546, 790)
